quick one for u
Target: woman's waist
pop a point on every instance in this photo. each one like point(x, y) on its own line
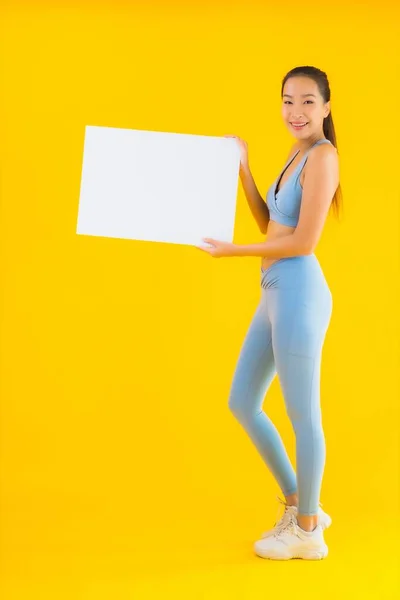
point(305, 261)
point(275, 231)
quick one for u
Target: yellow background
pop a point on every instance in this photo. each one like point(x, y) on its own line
point(123, 473)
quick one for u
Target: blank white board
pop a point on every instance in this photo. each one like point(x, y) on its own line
point(158, 186)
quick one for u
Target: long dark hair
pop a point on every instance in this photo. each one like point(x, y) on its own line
point(322, 82)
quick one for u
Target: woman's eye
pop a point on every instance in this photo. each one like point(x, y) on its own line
point(286, 101)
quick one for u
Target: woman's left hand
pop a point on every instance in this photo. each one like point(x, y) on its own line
point(219, 249)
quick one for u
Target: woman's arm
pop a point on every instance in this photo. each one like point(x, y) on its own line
point(257, 205)
point(282, 247)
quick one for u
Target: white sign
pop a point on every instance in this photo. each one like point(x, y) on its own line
point(158, 187)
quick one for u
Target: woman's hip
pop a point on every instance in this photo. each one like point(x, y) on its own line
point(301, 275)
point(298, 303)
point(295, 288)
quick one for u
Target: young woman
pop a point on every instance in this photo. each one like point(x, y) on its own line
point(288, 329)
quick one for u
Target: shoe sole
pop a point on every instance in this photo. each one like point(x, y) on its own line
point(305, 555)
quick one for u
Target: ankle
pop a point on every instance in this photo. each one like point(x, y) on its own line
point(292, 500)
point(307, 523)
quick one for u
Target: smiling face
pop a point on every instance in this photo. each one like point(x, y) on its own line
point(302, 104)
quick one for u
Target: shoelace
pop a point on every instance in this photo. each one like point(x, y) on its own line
point(283, 521)
point(287, 521)
point(290, 526)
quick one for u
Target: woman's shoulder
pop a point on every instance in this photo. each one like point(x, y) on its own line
point(327, 147)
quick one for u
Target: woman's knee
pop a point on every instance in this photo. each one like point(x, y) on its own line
point(241, 407)
point(237, 406)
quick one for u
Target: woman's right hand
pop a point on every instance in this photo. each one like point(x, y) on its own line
point(244, 152)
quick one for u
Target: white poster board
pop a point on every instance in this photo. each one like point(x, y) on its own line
point(157, 186)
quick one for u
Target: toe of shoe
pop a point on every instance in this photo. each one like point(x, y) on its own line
point(265, 551)
point(261, 546)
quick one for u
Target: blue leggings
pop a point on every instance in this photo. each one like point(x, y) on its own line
point(286, 337)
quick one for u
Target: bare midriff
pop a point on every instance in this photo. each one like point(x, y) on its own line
point(275, 230)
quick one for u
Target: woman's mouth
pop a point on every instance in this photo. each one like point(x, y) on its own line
point(298, 127)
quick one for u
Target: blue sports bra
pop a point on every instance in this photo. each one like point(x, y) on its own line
point(284, 206)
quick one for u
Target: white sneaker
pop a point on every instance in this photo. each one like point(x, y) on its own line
point(323, 519)
point(290, 541)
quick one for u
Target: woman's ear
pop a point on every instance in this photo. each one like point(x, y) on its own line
point(327, 108)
